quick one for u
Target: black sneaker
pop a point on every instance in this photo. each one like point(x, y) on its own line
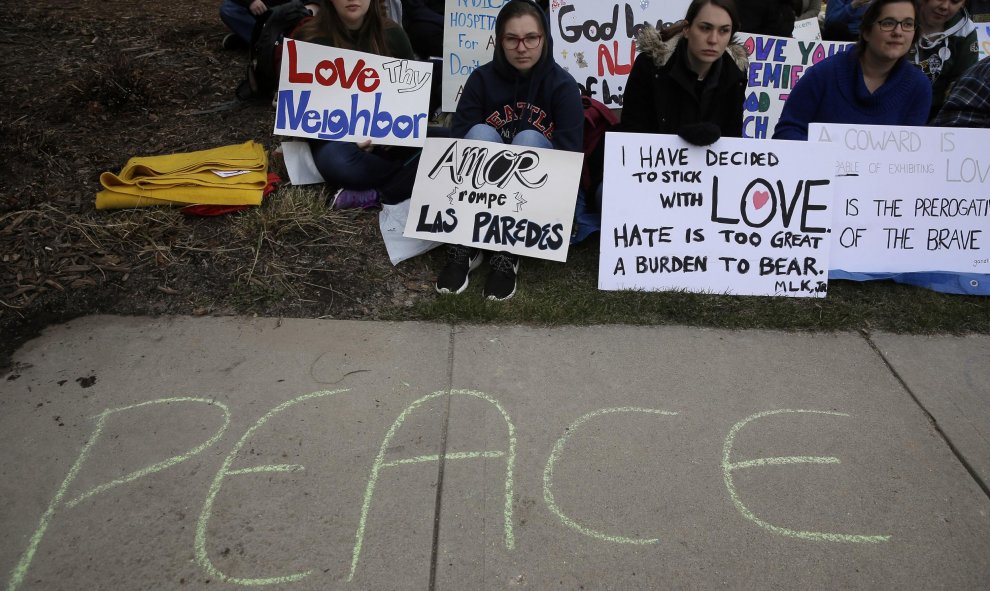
point(501, 284)
point(234, 43)
point(461, 260)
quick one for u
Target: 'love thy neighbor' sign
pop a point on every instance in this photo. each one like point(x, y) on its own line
point(336, 94)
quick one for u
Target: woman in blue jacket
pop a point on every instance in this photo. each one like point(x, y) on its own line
point(873, 84)
point(524, 98)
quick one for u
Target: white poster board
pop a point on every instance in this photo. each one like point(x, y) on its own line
point(983, 36)
point(738, 217)
point(336, 94)
point(468, 43)
point(594, 40)
point(495, 197)
point(909, 198)
point(775, 66)
point(807, 30)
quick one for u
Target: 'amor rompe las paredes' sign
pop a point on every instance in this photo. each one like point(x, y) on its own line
point(909, 199)
point(495, 197)
point(336, 94)
point(736, 217)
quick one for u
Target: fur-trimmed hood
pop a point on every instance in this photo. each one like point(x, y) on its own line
point(652, 44)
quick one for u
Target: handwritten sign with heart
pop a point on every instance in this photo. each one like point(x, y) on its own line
point(737, 217)
point(340, 95)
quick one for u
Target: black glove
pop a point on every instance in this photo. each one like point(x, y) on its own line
point(703, 133)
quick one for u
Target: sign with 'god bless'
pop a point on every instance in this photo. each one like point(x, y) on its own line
point(336, 94)
point(737, 217)
point(495, 197)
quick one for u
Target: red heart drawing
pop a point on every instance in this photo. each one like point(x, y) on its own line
point(760, 199)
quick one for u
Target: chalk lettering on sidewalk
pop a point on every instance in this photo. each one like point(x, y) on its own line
point(380, 463)
point(202, 556)
point(17, 576)
point(728, 467)
point(558, 449)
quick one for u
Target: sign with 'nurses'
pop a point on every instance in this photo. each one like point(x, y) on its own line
point(329, 93)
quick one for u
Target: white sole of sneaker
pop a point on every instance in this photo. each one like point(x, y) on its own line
point(472, 265)
point(491, 298)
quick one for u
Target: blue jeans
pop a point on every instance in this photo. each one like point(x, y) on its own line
point(529, 138)
point(238, 19)
point(586, 222)
point(342, 164)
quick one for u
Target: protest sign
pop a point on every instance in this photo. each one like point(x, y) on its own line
point(336, 94)
point(468, 43)
point(807, 30)
point(983, 36)
point(496, 197)
point(595, 40)
point(775, 66)
point(737, 217)
point(908, 198)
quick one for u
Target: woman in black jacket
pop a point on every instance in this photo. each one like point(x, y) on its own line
point(688, 79)
point(691, 82)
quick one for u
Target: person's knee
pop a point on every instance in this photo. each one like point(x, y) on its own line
point(231, 10)
point(531, 139)
point(483, 132)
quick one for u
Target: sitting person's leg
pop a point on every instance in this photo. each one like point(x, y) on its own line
point(533, 139)
point(238, 19)
point(345, 165)
point(484, 133)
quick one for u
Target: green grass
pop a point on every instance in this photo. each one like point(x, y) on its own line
point(552, 293)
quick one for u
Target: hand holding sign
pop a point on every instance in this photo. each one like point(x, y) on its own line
point(386, 98)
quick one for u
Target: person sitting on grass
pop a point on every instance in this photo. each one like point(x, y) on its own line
point(546, 112)
point(872, 84)
point(688, 79)
point(947, 46)
point(361, 170)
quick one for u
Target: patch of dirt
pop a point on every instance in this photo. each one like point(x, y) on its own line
point(88, 85)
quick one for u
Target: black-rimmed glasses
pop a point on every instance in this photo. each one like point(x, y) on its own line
point(889, 24)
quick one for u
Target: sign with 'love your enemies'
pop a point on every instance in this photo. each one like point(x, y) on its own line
point(336, 94)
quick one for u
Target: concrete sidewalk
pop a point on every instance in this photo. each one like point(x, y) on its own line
point(221, 453)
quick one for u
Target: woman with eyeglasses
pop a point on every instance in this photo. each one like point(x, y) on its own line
point(947, 47)
point(524, 98)
point(871, 84)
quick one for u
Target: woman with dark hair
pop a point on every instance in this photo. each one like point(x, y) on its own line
point(524, 98)
point(947, 46)
point(689, 82)
point(358, 169)
point(873, 84)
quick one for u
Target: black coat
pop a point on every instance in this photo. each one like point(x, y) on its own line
point(662, 94)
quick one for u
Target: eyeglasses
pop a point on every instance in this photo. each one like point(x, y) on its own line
point(529, 41)
point(889, 24)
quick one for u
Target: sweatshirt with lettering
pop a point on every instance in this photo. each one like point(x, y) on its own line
point(547, 99)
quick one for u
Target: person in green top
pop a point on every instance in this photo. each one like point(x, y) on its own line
point(360, 170)
point(946, 48)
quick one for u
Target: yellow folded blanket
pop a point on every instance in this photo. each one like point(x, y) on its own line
point(189, 178)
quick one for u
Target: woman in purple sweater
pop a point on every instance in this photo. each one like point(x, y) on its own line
point(873, 84)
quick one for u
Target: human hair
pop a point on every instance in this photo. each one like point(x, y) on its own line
point(326, 26)
point(517, 8)
point(870, 19)
point(726, 5)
